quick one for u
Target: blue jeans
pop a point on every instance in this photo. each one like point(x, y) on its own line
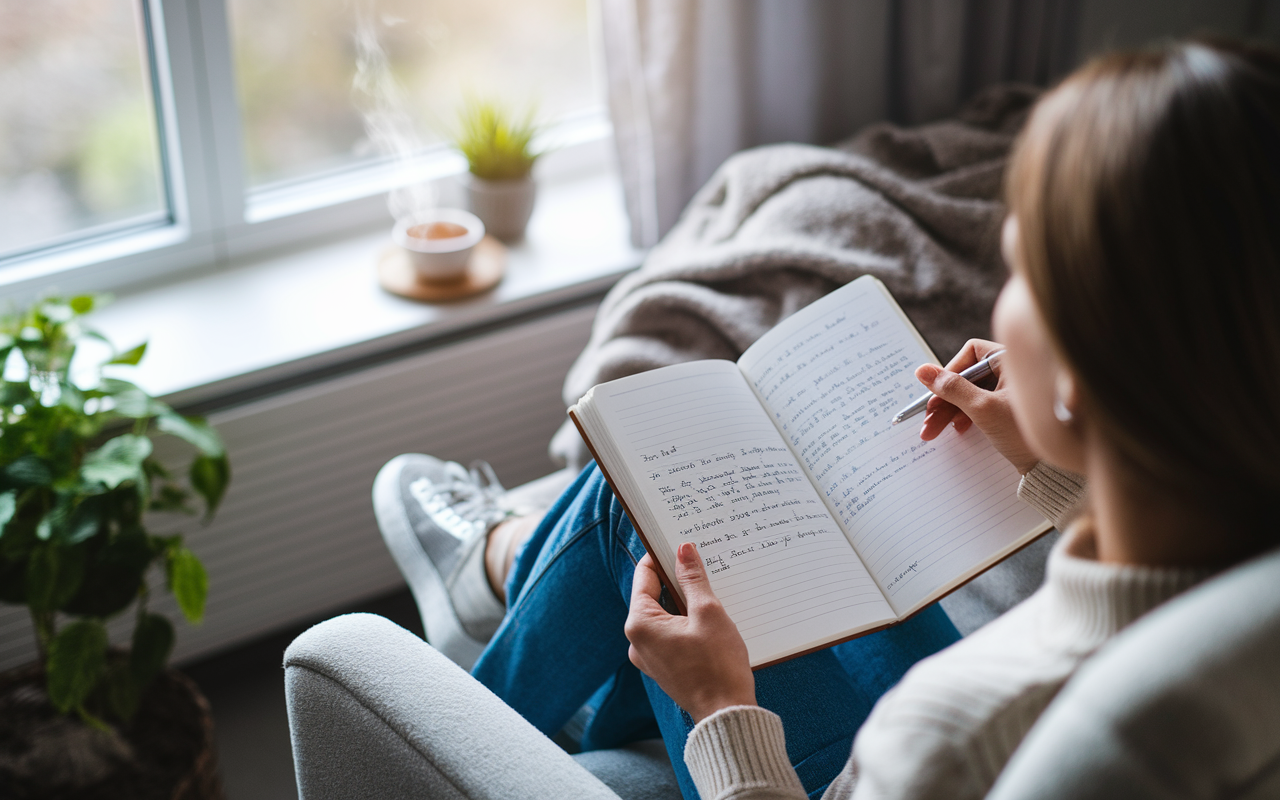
point(561, 647)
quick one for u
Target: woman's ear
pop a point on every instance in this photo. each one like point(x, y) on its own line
point(1065, 398)
point(1009, 242)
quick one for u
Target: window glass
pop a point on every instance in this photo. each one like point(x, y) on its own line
point(79, 149)
point(296, 63)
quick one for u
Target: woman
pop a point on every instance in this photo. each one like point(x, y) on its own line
point(1143, 353)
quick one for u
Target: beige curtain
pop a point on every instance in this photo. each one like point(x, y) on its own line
point(692, 81)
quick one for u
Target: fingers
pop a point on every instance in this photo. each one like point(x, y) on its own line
point(645, 611)
point(973, 351)
point(646, 587)
point(699, 660)
point(952, 388)
point(940, 412)
point(692, 576)
point(935, 424)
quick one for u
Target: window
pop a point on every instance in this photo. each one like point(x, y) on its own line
point(79, 151)
point(143, 137)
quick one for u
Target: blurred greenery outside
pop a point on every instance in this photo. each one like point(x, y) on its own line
point(296, 62)
point(78, 133)
point(78, 139)
point(118, 165)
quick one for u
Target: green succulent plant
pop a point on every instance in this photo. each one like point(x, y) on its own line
point(497, 144)
point(77, 479)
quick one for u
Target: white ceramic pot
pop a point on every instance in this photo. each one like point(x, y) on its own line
point(443, 258)
point(505, 206)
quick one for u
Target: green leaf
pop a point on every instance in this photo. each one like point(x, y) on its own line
point(57, 312)
point(29, 470)
point(127, 399)
point(87, 520)
point(122, 691)
point(92, 721)
point(117, 461)
point(72, 397)
point(115, 574)
point(210, 476)
point(81, 304)
point(188, 582)
point(193, 430)
point(77, 656)
point(143, 490)
point(495, 141)
point(130, 356)
point(89, 333)
point(8, 505)
point(53, 521)
point(172, 498)
point(152, 642)
point(54, 575)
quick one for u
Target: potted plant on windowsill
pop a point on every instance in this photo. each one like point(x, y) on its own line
point(77, 479)
point(498, 147)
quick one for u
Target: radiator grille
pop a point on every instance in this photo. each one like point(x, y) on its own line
point(296, 534)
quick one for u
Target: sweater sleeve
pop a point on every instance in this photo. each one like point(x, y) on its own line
point(740, 753)
point(1052, 491)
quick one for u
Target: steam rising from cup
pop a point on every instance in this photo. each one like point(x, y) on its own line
point(382, 105)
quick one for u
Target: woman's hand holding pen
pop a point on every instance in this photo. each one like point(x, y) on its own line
point(964, 404)
point(699, 660)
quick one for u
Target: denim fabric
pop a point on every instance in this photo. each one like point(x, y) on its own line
point(561, 648)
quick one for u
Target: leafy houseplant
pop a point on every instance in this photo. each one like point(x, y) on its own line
point(77, 477)
point(498, 146)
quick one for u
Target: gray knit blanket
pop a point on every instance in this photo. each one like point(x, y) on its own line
point(779, 226)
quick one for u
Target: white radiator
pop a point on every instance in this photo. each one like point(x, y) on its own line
point(296, 535)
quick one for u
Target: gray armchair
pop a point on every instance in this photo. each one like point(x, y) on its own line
point(376, 712)
point(1184, 704)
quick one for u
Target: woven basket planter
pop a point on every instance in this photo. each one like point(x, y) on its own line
point(166, 753)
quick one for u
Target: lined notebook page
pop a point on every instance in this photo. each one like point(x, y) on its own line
point(713, 470)
point(923, 515)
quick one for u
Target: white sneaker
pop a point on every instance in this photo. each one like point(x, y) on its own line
point(435, 517)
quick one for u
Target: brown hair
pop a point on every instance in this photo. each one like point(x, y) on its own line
point(1147, 191)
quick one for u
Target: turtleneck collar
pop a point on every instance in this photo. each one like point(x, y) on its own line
point(1088, 602)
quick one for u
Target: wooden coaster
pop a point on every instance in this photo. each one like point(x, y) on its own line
point(487, 266)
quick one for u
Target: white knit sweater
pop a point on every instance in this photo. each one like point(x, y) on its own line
point(948, 728)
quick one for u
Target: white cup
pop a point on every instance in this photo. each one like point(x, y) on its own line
point(436, 257)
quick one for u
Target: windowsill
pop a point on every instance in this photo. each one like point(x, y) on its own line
point(269, 322)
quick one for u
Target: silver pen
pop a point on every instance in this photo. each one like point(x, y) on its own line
point(973, 374)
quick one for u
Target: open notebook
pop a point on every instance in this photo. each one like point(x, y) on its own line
point(817, 520)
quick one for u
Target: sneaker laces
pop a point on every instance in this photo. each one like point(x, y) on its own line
point(476, 494)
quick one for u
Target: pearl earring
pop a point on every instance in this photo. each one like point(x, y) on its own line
point(1060, 410)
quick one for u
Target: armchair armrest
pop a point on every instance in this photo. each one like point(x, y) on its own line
point(376, 712)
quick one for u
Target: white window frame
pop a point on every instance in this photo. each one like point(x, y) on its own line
point(215, 220)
